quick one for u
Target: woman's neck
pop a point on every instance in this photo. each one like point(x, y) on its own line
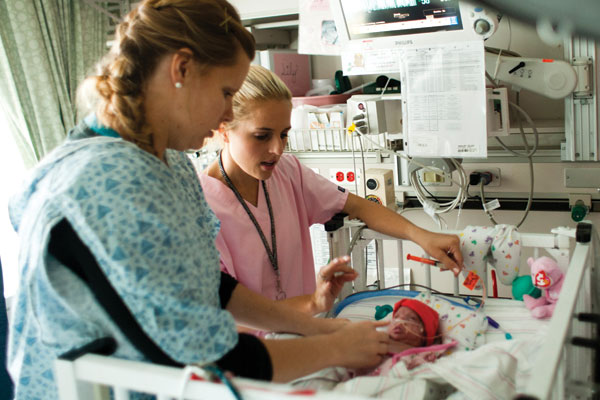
point(245, 184)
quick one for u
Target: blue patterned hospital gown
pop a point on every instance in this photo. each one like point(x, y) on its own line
point(152, 233)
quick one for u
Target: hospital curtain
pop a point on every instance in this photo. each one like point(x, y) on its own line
point(47, 47)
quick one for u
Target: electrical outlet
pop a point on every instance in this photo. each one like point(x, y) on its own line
point(430, 178)
point(344, 176)
point(494, 171)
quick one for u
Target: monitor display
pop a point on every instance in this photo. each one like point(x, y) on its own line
point(365, 19)
point(373, 33)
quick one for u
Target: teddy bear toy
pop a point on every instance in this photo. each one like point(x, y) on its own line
point(547, 276)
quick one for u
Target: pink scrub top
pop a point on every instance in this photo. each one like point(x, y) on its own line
point(299, 198)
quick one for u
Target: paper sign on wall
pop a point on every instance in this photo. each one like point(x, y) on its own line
point(444, 100)
point(317, 32)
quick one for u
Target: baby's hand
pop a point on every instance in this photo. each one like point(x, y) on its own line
point(415, 360)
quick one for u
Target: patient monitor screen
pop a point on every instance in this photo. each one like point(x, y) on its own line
point(376, 18)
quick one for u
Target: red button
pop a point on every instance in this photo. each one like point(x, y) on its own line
point(339, 176)
point(350, 176)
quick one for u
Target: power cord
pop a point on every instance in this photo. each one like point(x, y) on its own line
point(528, 153)
point(427, 191)
point(485, 208)
point(355, 238)
point(432, 208)
point(362, 158)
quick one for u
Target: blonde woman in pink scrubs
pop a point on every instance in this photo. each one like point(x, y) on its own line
point(267, 201)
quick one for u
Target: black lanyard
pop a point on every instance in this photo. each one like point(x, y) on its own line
point(271, 253)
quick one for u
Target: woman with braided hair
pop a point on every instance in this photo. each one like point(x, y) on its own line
point(117, 212)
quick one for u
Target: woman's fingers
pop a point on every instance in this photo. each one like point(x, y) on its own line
point(450, 263)
point(364, 344)
point(338, 268)
point(446, 249)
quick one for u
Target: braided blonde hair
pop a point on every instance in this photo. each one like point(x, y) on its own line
point(260, 85)
point(211, 29)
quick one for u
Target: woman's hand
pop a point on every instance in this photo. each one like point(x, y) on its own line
point(330, 280)
point(356, 345)
point(360, 344)
point(329, 325)
point(442, 247)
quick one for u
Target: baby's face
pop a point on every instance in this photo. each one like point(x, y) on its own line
point(406, 327)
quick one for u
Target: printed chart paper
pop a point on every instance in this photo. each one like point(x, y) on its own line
point(444, 100)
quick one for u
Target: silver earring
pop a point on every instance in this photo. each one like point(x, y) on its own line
point(178, 85)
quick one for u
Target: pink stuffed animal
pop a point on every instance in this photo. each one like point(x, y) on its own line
point(547, 276)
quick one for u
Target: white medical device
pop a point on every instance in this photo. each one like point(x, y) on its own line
point(551, 78)
point(383, 113)
point(380, 187)
point(485, 21)
point(566, 18)
point(497, 112)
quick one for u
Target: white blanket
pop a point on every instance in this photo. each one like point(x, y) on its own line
point(497, 370)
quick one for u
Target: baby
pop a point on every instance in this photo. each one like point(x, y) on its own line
point(413, 324)
point(413, 331)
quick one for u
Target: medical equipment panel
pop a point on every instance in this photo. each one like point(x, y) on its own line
point(383, 113)
point(380, 187)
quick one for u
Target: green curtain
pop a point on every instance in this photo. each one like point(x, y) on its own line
point(47, 47)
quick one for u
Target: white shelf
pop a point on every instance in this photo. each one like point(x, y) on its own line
point(252, 9)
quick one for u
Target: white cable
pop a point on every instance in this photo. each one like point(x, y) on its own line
point(355, 238)
point(509, 33)
point(362, 157)
point(456, 225)
point(385, 87)
point(402, 155)
point(497, 64)
point(356, 89)
point(485, 208)
point(432, 208)
point(442, 220)
point(536, 135)
point(528, 154)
